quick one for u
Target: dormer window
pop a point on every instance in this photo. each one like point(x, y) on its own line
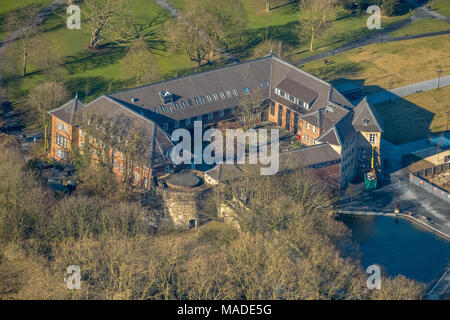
point(365, 122)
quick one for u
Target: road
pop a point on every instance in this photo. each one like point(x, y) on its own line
point(408, 90)
point(383, 35)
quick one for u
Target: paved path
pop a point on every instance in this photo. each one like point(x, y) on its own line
point(409, 89)
point(410, 198)
point(174, 12)
point(421, 12)
point(440, 289)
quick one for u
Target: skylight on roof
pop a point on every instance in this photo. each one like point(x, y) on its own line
point(216, 97)
point(209, 98)
point(155, 109)
point(229, 94)
point(267, 83)
point(176, 105)
point(261, 85)
point(236, 93)
point(162, 108)
point(183, 104)
point(203, 99)
point(170, 108)
point(196, 100)
point(222, 95)
point(189, 101)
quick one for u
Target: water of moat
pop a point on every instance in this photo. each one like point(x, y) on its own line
point(398, 245)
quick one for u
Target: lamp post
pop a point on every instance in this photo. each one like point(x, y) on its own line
point(391, 84)
point(439, 72)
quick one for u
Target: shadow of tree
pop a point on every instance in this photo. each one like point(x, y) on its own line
point(91, 60)
point(89, 88)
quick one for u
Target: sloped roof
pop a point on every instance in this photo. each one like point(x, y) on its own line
point(366, 118)
point(308, 156)
point(290, 86)
point(155, 138)
point(66, 112)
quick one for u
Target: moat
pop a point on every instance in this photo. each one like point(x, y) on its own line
point(398, 245)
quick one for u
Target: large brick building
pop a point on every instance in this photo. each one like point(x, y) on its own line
point(337, 136)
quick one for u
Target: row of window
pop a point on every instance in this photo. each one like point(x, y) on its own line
point(61, 140)
point(348, 165)
point(61, 153)
point(291, 98)
point(202, 100)
point(61, 127)
point(189, 121)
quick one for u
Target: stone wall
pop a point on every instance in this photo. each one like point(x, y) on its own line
point(182, 206)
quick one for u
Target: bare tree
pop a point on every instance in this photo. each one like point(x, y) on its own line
point(314, 17)
point(277, 47)
point(140, 62)
point(44, 98)
point(181, 37)
point(20, 22)
point(101, 16)
point(250, 110)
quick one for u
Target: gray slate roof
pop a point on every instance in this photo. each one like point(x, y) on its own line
point(366, 118)
point(308, 156)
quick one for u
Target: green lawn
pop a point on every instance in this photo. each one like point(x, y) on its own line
point(377, 65)
point(95, 72)
point(424, 25)
point(283, 21)
point(441, 6)
point(416, 116)
point(7, 6)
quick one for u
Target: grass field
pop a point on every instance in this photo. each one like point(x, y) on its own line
point(418, 27)
point(416, 116)
point(95, 73)
point(7, 6)
point(441, 6)
point(402, 63)
point(283, 22)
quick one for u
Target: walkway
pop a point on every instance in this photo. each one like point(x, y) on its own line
point(409, 89)
point(440, 289)
point(383, 35)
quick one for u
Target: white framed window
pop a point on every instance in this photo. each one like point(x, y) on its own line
point(222, 95)
point(146, 182)
point(61, 153)
point(372, 138)
point(137, 177)
point(199, 118)
point(306, 137)
point(177, 124)
point(61, 126)
point(314, 129)
point(114, 164)
point(307, 126)
point(121, 168)
point(188, 122)
point(221, 113)
point(210, 116)
point(61, 140)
